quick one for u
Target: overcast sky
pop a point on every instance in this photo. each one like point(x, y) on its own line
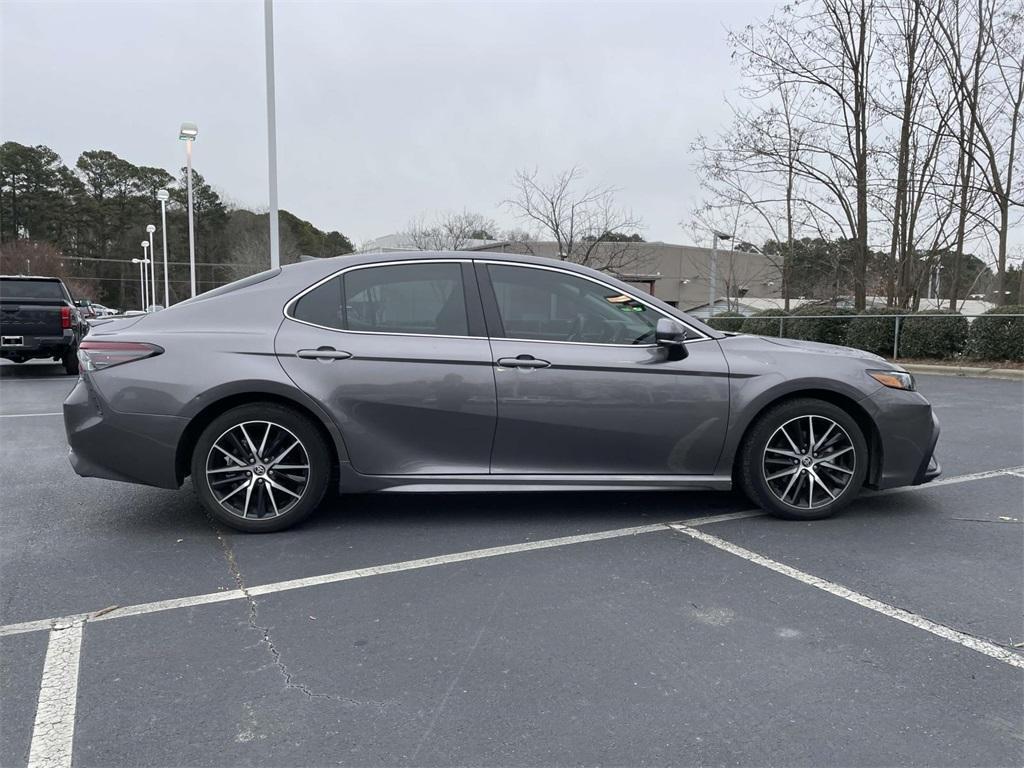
point(385, 110)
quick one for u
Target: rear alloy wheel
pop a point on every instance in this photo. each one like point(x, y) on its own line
point(804, 460)
point(260, 467)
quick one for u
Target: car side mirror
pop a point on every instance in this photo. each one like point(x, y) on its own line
point(672, 336)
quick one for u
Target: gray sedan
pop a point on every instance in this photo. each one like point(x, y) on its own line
point(478, 372)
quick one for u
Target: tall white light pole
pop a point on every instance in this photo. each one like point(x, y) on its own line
point(163, 195)
point(713, 282)
point(146, 260)
point(142, 281)
point(275, 245)
point(150, 229)
point(188, 134)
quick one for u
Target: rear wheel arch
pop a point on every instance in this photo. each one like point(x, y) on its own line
point(199, 422)
point(864, 420)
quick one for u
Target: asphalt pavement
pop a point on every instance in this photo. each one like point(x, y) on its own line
point(514, 629)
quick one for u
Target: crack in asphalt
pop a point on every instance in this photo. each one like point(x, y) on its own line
point(268, 641)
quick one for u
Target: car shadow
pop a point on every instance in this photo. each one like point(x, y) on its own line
point(31, 370)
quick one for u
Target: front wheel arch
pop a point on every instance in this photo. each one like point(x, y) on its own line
point(854, 409)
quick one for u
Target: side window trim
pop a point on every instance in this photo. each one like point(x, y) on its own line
point(494, 316)
point(475, 329)
point(495, 327)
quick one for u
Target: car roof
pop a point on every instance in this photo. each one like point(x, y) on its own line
point(30, 277)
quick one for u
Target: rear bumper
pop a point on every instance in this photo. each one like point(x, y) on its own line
point(132, 448)
point(37, 346)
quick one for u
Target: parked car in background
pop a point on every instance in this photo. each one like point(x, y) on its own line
point(103, 311)
point(39, 319)
point(454, 372)
point(86, 309)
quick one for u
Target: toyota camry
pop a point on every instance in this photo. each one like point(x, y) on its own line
point(449, 372)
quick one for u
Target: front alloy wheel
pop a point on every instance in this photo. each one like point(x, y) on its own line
point(808, 462)
point(803, 459)
point(260, 467)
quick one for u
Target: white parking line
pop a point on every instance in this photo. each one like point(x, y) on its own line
point(408, 565)
point(54, 730)
point(23, 415)
point(940, 630)
point(360, 573)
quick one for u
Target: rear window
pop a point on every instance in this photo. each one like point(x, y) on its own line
point(31, 289)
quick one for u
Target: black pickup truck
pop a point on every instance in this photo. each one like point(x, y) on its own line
point(38, 319)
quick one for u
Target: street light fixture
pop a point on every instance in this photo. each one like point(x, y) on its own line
point(145, 280)
point(150, 228)
point(188, 133)
point(712, 288)
point(163, 196)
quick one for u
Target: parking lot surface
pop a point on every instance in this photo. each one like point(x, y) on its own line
point(514, 629)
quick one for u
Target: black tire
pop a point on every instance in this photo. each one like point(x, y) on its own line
point(70, 361)
point(264, 518)
point(757, 455)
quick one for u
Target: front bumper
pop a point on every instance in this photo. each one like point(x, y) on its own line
point(930, 467)
point(132, 448)
point(907, 434)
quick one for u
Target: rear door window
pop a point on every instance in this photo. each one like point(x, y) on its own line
point(396, 298)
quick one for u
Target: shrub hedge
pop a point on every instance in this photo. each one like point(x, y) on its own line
point(764, 323)
point(726, 321)
point(998, 338)
point(951, 335)
point(874, 334)
point(935, 338)
point(828, 330)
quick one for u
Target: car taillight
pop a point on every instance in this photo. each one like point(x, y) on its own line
point(65, 318)
point(97, 355)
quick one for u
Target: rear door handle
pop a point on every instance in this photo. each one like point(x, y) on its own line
point(323, 353)
point(523, 361)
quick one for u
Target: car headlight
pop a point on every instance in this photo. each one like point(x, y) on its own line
point(894, 379)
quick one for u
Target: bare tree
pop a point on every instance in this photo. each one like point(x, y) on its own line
point(752, 168)
point(248, 251)
point(825, 48)
point(983, 45)
point(450, 231)
point(587, 223)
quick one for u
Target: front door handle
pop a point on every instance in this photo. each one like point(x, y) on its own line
point(323, 353)
point(523, 361)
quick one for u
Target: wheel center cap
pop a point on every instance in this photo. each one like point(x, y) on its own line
point(259, 469)
point(807, 461)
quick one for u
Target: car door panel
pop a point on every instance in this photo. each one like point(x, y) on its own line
point(599, 408)
point(405, 404)
point(614, 410)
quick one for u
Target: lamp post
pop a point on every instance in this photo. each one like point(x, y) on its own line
point(713, 287)
point(268, 27)
point(163, 195)
point(145, 279)
point(150, 229)
point(188, 134)
point(142, 281)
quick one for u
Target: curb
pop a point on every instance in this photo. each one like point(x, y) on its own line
point(1010, 374)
